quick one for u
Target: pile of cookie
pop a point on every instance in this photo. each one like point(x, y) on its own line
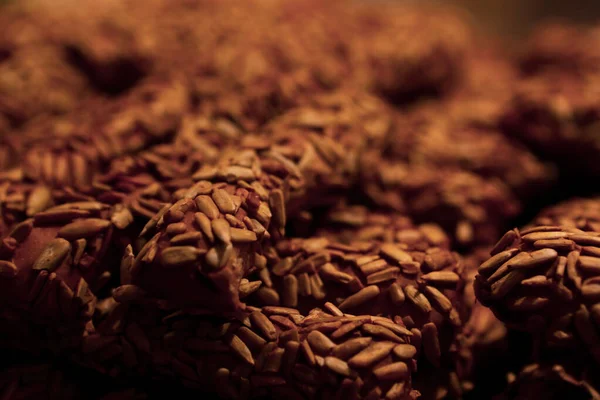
point(274, 199)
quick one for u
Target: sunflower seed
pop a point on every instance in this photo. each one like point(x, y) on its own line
point(223, 201)
point(179, 256)
point(263, 214)
point(396, 328)
point(396, 294)
point(217, 257)
point(53, 255)
point(418, 299)
point(382, 332)
point(329, 272)
point(589, 265)
point(251, 339)
point(392, 372)
point(535, 236)
point(556, 244)
point(233, 173)
point(207, 206)
point(441, 278)
point(338, 366)
point(351, 347)
point(246, 289)
point(431, 343)
point(374, 266)
point(528, 303)
point(591, 292)
point(537, 281)
point(221, 230)
point(493, 263)
point(264, 325)
point(21, 231)
point(561, 265)
point(316, 287)
point(289, 357)
point(362, 296)
point(505, 241)
point(506, 283)
point(500, 272)
point(175, 228)
point(150, 225)
point(572, 260)
point(268, 296)
point(86, 228)
point(304, 287)
point(396, 392)
point(242, 236)
point(240, 349)
point(59, 216)
point(586, 240)
point(205, 225)
point(347, 328)
point(382, 276)
point(370, 355)
point(308, 353)
point(440, 302)
point(128, 293)
point(8, 269)
point(333, 309)
point(126, 264)
point(186, 238)
point(277, 204)
point(591, 251)
point(405, 351)
point(290, 291)
point(537, 258)
point(39, 199)
point(320, 343)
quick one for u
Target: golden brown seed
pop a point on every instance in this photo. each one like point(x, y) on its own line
point(320, 343)
point(392, 372)
point(218, 256)
point(207, 206)
point(362, 296)
point(277, 204)
point(439, 301)
point(338, 366)
point(243, 235)
point(263, 324)
point(85, 228)
point(392, 251)
point(441, 278)
point(405, 351)
point(179, 256)
point(417, 298)
point(240, 349)
point(396, 294)
point(290, 291)
point(493, 263)
point(7, 269)
point(351, 347)
point(369, 356)
point(535, 236)
point(382, 332)
point(331, 273)
point(221, 230)
point(204, 224)
point(53, 255)
point(224, 201)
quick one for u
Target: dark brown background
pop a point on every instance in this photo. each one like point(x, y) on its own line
point(514, 18)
